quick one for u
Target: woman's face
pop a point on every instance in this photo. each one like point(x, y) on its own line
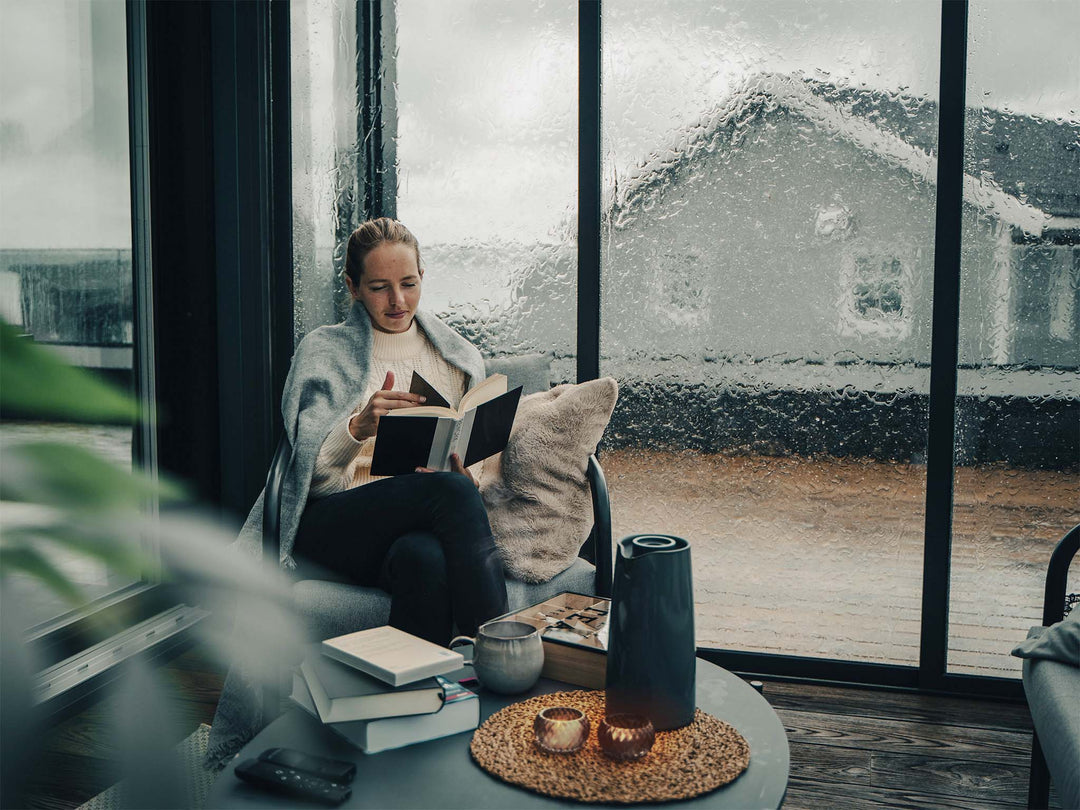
point(389, 286)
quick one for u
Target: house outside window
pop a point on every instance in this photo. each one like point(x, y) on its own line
point(1044, 305)
point(1064, 289)
point(876, 295)
point(684, 286)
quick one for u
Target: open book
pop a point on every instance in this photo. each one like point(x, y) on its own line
point(426, 436)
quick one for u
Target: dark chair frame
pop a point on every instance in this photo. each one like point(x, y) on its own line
point(597, 548)
point(1057, 576)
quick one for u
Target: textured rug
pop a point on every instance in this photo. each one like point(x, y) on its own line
point(198, 779)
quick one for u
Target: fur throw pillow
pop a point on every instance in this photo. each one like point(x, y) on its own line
point(536, 492)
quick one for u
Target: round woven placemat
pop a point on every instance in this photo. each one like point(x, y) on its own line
point(684, 763)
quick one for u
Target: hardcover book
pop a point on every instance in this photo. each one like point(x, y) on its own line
point(391, 655)
point(427, 435)
point(460, 712)
point(342, 693)
point(574, 629)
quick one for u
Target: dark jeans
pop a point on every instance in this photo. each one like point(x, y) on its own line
point(423, 537)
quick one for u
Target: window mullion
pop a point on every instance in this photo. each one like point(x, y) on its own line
point(590, 192)
point(943, 354)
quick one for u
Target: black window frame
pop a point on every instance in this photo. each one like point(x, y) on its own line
point(53, 641)
point(211, 163)
point(237, 165)
point(931, 674)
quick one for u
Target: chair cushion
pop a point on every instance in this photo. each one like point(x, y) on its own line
point(335, 608)
point(536, 491)
point(1053, 694)
point(1058, 642)
point(580, 577)
point(531, 371)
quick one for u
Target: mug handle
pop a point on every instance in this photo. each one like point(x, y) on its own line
point(456, 640)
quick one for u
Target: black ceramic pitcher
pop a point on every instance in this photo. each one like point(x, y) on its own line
point(650, 665)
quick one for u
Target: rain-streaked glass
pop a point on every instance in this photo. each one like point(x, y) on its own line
point(483, 129)
point(487, 167)
point(767, 288)
point(1017, 448)
point(324, 178)
point(65, 225)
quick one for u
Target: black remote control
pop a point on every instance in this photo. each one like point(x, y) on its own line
point(290, 782)
point(336, 770)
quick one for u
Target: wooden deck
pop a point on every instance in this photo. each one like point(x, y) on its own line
point(824, 557)
point(819, 557)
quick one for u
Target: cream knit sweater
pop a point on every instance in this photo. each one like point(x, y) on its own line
point(344, 462)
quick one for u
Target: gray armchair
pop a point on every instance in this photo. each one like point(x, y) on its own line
point(332, 608)
point(1053, 691)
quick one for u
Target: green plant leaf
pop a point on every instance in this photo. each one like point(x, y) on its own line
point(31, 561)
point(70, 477)
point(98, 542)
point(34, 383)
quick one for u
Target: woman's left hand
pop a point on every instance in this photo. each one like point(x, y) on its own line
point(455, 466)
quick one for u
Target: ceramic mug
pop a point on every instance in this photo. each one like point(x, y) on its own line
point(507, 655)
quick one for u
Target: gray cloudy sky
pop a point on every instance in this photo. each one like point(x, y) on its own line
point(488, 90)
point(488, 95)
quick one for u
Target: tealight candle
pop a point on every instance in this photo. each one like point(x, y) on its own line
point(625, 737)
point(560, 729)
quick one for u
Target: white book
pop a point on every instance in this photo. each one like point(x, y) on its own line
point(460, 712)
point(342, 693)
point(391, 655)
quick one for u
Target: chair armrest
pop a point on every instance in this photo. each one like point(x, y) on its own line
point(1057, 576)
point(271, 535)
point(601, 526)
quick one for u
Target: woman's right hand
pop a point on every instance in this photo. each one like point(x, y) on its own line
point(364, 424)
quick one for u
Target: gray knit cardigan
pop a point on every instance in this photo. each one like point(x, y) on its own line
point(328, 375)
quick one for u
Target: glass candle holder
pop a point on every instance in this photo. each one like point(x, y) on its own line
point(560, 730)
point(625, 737)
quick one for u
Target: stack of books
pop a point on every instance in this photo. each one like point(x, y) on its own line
point(383, 688)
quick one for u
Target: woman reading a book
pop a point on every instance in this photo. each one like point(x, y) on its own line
point(424, 536)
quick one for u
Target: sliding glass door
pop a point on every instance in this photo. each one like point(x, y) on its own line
point(478, 137)
point(66, 278)
point(767, 291)
point(774, 298)
point(1017, 444)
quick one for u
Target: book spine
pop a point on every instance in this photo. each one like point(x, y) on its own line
point(441, 444)
point(464, 434)
point(397, 732)
point(318, 694)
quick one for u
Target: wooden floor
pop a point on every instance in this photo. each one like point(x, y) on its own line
point(850, 747)
point(80, 758)
point(859, 748)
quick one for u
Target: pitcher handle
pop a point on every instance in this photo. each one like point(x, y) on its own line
point(456, 640)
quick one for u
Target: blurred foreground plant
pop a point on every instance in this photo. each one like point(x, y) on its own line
point(47, 489)
point(59, 495)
